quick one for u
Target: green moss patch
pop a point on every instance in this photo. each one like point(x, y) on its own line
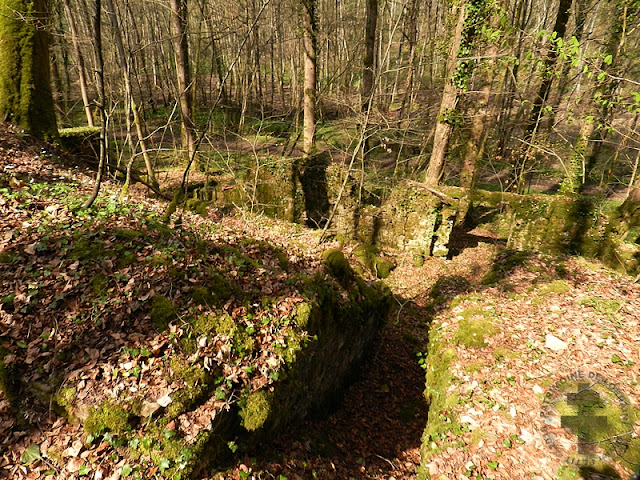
point(256, 410)
point(108, 417)
point(162, 311)
point(557, 287)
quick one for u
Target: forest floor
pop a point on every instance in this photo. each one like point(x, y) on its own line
point(511, 331)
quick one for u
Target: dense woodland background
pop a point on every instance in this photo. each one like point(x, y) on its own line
point(517, 95)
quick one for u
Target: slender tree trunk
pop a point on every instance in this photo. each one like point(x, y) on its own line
point(181, 47)
point(82, 78)
point(448, 105)
point(99, 61)
point(412, 38)
point(309, 22)
point(368, 73)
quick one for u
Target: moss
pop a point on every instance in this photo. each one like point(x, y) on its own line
point(557, 287)
point(108, 417)
point(503, 353)
point(162, 311)
point(127, 234)
point(65, 396)
point(88, 249)
point(477, 435)
point(161, 260)
point(303, 314)
point(474, 367)
point(173, 206)
point(338, 265)
point(76, 132)
point(126, 259)
point(218, 325)
point(198, 206)
point(25, 83)
point(379, 266)
point(98, 283)
point(191, 374)
point(202, 296)
point(471, 333)
point(219, 287)
point(6, 258)
point(256, 410)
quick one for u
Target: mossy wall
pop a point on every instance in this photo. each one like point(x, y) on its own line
point(404, 216)
point(558, 224)
point(340, 336)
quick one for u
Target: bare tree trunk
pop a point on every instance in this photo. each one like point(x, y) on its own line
point(97, 50)
point(309, 22)
point(80, 59)
point(371, 22)
point(448, 105)
point(413, 38)
point(181, 47)
point(559, 29)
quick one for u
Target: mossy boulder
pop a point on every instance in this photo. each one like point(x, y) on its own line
point(369, 256)
point(338, 265)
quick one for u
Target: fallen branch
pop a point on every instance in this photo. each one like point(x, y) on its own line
point(442, 196)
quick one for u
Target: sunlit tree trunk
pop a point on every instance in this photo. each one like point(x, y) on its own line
point(82, 78)
point(368, 73)
point(309, 23)
point(181, 47)
point(99, 63)
point(448, 105)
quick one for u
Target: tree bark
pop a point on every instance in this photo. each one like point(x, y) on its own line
point(97, 51)
point(309, 23)
point(26, 98)
point(181, 47)
point(448, 105)
point(368, 73)
point(82, 78)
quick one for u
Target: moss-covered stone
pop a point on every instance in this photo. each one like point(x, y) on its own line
point(368, 256)
point(162, 311)
point(338, 265)
point(471, 333)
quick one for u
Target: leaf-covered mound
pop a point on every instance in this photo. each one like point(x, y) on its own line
point(169, 346)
